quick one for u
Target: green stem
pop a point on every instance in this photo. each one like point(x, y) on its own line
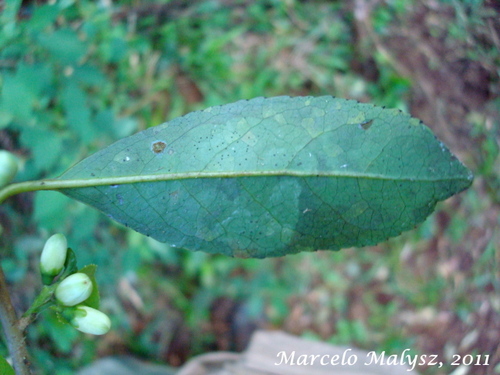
point(23, 187)
point(13, 334)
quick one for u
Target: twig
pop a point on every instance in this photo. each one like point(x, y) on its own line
point(14, 335)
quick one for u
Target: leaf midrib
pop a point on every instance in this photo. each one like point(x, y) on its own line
point(118, 180)
point(59, 184)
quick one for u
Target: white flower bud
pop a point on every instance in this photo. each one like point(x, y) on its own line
point(54, 255)
point(74, 289)
point(89, 320)
point(8, 167)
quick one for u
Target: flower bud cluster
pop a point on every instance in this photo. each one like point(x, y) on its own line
point(72, 291)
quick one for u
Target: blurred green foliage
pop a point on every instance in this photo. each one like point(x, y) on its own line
point(75, 75)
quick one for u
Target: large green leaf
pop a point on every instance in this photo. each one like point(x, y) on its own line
point(269, 177)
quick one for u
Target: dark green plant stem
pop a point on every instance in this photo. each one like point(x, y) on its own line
point(13, 333)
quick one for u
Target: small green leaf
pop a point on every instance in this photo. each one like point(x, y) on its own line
point(64, 45)
point(43, 300)
point(270, 177)
point(77, 111)
point(43, 16)
point(94, 299)
point(5, 367)
point(70, 266)
point(25, 90)
point(46, 147)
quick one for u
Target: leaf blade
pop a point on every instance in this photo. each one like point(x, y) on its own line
point(269, 177)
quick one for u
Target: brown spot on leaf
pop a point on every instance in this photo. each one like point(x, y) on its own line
point(366, 125)
point(158, 147)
